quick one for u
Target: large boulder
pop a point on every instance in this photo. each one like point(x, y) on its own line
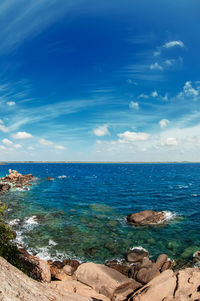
point(15, 286)
point(123, 267)
point(171, 286)
point(4, 187)
point(35, 267)
point(144, 271)
point(106, 281)
point(147, 217)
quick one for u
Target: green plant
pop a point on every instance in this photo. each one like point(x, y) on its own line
point(8, 248)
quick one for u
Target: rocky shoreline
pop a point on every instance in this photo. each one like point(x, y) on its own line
point(136, 278)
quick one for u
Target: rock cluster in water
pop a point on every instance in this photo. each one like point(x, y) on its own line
point(147, 217)
point(15, 180)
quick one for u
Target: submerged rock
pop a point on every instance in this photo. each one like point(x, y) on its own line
point(49, 178)
point(136, 255)
point(147, 217)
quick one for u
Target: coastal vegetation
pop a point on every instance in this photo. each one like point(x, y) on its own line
point(8, 248)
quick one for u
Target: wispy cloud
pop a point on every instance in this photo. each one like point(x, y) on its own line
point(21, 135)
point(163, 123)
point(30, 20)
point(156, 66)
point(48, 143)
point(171, 44)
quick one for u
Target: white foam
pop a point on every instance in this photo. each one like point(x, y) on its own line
point(14, 222)
point(169, 215)
point(52, 243)
point(138, 248)
point(21, 189)
point(194, 194)
point(62, 177)
point(31, 220)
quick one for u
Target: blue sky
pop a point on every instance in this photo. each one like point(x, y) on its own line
point(100, 80)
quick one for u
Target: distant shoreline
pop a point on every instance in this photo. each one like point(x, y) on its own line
point(99, 162)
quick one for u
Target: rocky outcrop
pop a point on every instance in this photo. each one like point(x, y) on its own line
point(16, 179)
point(4, 187)
point(16, 286)
point(147, 217)
point(171, 286)
point(35, 267)
point(106, 281)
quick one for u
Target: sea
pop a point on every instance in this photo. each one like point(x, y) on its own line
point(81, 213)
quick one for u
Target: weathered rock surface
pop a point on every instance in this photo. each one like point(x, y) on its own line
point(16, 286)
point(106, 281)
point(35, 267)
point(171, 286)
point(122, 267)
point(147, 217)
point(144, 271)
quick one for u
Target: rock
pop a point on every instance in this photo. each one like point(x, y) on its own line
point(144, 271)
point(122, 267)
point(167, 265)
point(49, 178)
point(196, 257)
point(4, 187)
point(147, 217)
point(68, 270)
point(136, 255)
point(106, 281)
point(15, 286)
point(161, 260)
point(72, 262)
point(35, 267)
point(171, 286)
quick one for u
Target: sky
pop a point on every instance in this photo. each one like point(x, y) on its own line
point(114, 80)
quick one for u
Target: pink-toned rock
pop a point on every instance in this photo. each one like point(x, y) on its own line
point(35, 267)
point(161, 260)
point(106, 281)
point(171, 286)
point(147, 217)
point(16, 286)
point(145, 271)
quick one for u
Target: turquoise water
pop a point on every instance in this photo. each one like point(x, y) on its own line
point(82, 213)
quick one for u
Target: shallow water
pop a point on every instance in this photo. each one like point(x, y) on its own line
point(82, 213)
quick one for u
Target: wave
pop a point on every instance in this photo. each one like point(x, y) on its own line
point(139, 248)
point(62, 177)
point(14, 222)
point(169, 215)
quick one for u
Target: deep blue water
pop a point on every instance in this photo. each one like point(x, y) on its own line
point(84, 215)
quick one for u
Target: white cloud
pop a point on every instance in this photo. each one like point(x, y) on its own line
point(156, 66)
point(132, 136)
point(2, 147)
point(61, 147)
point(1, 121)
point(163, 123)
point(143, 96)
point(134, 105)
point(157, 53)
point(11, 103)
point(30, 148)
point(7, 142)
point(50, 144)
point(17, 146)
point(22, 135)
point(101, 130)
point(171, 141)
point(173, 44)
point(189, 91)
point(45, 142)
point(154, 94)
point(3, 128)
point(165, 97)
